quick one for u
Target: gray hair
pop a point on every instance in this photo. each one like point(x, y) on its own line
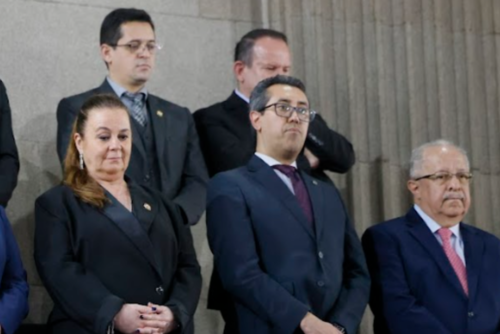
point(417, 155)
point(259, 97)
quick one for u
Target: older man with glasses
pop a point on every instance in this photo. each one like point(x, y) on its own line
point(430, 272)
point(165, 153)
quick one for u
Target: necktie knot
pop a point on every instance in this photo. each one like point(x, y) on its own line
point(134, 97)
point(286, 169)
point(135, 105)
point(445, 234)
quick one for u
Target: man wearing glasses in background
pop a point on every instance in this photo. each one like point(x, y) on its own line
point(430, 272)
point(283, 245)
point(166, 154)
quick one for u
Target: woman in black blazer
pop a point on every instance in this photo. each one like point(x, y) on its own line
point(114, 256)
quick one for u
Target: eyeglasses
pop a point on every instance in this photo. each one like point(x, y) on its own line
point(286, 110)
point(445, 177)
point(136, 46)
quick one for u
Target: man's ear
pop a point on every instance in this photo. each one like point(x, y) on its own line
point(106, 53)
point(413, 187)
point(238, 69)
point(255, 119)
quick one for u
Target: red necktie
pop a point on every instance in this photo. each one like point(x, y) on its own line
point(455, 261)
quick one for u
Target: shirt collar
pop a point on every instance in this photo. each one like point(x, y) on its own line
point(271, 161)
point(119, 90)
point(433, 226)
point(240, 94)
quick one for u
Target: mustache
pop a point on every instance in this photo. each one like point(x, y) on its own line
point(454, 196)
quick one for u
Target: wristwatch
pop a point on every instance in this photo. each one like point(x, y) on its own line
point(340, 328)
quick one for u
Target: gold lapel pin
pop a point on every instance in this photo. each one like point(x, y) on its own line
point(159, 113)
point(147, 206)
point(315, 183)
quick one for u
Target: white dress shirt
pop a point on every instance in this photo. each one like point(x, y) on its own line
point(273, 162)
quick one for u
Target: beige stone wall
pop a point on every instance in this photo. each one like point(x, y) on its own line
point(389, 74)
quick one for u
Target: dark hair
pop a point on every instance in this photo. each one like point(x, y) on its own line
point(82, 184)
point(259, 97)
point(111, 31)
point(244, 48)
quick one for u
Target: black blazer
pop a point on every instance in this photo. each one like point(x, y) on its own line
point(273, 262)
point(228, 140)
point(9, 159)
point(182, 169)
point(93, 261)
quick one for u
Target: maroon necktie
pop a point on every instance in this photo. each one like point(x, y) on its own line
point(299, 188)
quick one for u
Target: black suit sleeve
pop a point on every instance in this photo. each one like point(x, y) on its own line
point(391, 298)
point(333, 150)
point(66, 114)
point(192, 195)
point(186, 285)
point(221, 148)
point(355, 291)
point(9, 159)
point(80, 294)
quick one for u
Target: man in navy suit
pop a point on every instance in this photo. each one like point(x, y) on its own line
point(282, 241)
point(432, 273)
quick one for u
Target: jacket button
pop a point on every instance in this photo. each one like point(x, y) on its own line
point(147, 177)
point(320, 254)
point(470, 314)
point(321, 283)
point(159, 290)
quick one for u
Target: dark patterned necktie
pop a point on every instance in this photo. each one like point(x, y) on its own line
point(299, 188)
point(135, 105)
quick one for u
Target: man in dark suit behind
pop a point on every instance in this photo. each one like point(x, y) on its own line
point(282, 241)
point(432, 273)
point(9, 159)
point(166, 154)
point(228, 139)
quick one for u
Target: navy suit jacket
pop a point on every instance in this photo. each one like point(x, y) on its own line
point(13, 285)
point(272, 261)
point(415, 289)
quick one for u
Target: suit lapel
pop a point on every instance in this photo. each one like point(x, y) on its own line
point(267, 177)
point(419, 230)
point(473, 250)
point(316, 199)
point(160, 124)
point(131, 226)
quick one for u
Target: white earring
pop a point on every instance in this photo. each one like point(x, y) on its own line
point(81, 161)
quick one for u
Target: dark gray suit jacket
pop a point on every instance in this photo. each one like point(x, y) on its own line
point(9, 159)
point(183, 174)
